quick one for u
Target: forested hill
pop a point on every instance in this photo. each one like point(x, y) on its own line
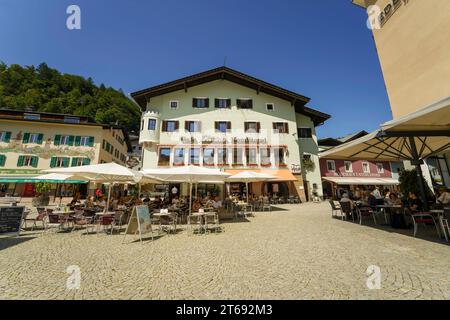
point(47, 90)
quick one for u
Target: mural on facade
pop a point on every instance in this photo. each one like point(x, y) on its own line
point(46, 151)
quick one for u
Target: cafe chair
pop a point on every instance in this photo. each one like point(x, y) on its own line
point(364, 212)
point(336, 209)
point(212, 222)
point(424, 218)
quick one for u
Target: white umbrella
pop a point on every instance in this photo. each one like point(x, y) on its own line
point(189, 174)
point(104, 173)
point(249, 177)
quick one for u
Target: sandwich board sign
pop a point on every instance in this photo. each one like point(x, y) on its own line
point(11, 220)
point(140, 222)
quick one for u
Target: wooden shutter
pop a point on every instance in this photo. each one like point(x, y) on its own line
point(71, 140)
point(40, 138)
point(91, 141)
point(57, 140)
point(216, 125)
point(258, 127)
point(26, 137)
point(216, 103)
point(20, 161)
point(245, 126)
point(274, 126)
point(186, 125)
point(7, 137)
point(53, 162)
point(286, 127)
point(66, 162)
point(229, 125)
point(74, 162)
point(164, 126)
point(2, 160)
point(207, 103)
point(86, 161)
point(228, 103)
point(177, 125)
point(194, 102)
point(34, 161)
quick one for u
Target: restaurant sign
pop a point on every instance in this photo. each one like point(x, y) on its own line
point(11, 220)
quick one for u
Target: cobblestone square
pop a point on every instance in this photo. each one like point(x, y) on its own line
point(297, 252)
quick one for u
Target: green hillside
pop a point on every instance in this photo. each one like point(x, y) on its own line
point(47, 90)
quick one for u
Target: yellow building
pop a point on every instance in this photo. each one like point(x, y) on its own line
point(33, 141)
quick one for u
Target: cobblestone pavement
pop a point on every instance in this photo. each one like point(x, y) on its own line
point(295, 253)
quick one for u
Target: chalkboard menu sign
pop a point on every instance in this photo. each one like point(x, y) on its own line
point(10, 220)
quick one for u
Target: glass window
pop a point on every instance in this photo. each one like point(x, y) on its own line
point(200, 103)
point(223, 126)
point(304, 133)
point(380, 168)
point(251, 154)
point(279, 156)
point(173, 104)
point(366, 168)
point(223, 103)
point(32, 116)
point(164, 157)
point(270, 106)
point(178, 156)
point(69, 119)
point(238, 156)
point(331, 166)
point(244, 103)
point(251, 127)
point(151, 124)
point(34, 137)
point(84, 141)
point(170, 126)
point(222, 156)
point(280, 127)
point(348, 166)
point(208, 156)
point(194, 156)
point(265, 156)
point(192, 126)
point(64, 140)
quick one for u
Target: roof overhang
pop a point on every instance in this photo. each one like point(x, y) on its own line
point(344, 181)
point(364, 3)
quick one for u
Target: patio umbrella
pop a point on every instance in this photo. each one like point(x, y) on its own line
point(249, 177)
point(108, 173)
point(188, 174)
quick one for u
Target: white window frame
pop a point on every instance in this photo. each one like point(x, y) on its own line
point(59, 162)
point(334, 166)
point(33, 138)
point(197, 122)
point(368, 167)
point(79, 162)
point(273, 106)
point(64, 140)
point(174, 101)
point(378, 168)
point(27, 161)
point(351, 166)
point(2, 135)
point(201, 98)
point(84, 141)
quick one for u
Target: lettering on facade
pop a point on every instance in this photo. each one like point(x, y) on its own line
point(379, 16)
point(296, 169)
point(215, 140)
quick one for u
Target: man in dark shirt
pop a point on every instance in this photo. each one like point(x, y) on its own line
point(414, 203)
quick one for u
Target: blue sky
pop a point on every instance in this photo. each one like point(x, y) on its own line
point(321, 49)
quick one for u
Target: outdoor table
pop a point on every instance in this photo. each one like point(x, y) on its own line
point(65, 216)
point(387, 209)
point(440, 214)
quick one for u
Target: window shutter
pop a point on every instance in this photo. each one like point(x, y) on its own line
point(74, 162)
point(2, 160)
point(34, 161)
point(286, 127)
point(57, 141)
point(177, 125)
point(245, 126)
point(186, 125)
point(66, 162)
point(7, 137)
point(40, 138)
point(194, 102)
point(250, 104)
point(20, 161)
point(164, 126)
point(86, 161)
point(77, 141)
point(216, 103)
point(26, 137)
point(216, 126)
point(258, 127)
point(199, 126)
point(207, 103)
point(228, 125)
point(53, 162)
point(91, 141)
point(274, 126)
point(228, 103)
point(71, 140)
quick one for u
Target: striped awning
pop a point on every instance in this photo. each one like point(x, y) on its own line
point(363, 181)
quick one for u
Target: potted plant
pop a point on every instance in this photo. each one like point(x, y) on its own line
point(308, 165)
point(42, 197)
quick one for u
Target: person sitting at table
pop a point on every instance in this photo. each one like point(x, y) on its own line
point(75, 199)
point(443, 196)
point(216, 203)
point(89, 203)
point(414, 203)
point(157, 202)
point(394, 200)
point(175, 200)
point(196, 206)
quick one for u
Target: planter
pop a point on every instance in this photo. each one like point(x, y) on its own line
point(41, 200)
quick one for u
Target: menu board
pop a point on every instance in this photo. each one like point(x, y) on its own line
point(140, 222)
point(11, 220)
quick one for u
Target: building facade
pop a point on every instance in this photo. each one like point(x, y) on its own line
point(34, 141)
point(413, 47)
point(228, 120)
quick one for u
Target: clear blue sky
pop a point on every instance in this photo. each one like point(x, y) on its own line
point(321, 49)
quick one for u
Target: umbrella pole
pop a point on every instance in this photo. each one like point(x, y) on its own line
point(56, 191)
point(246, 188)
point(109, 197)
point(190, 198)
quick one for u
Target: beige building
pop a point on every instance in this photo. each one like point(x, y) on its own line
point(33, 141)
point(225, 119)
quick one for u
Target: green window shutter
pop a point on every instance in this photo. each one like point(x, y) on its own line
point(86, 161)
point(26, 137)
point(2, 160)
point(91, 141)
point(57, 141)
point(7, 137)
point(71, 140)
point(34, 161)
point(77, 141)
point(20, 161)
point(66, 162)
point(53, 162)
point(74, 162)
point(40, 138)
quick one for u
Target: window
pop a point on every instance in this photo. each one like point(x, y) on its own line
point(64, 140)
point(103, 144)
point(28, 161)
point(32, 138)
point(366, 168)
point(238, 156)
point(348, 166)
point(270, 106)
point(142, 125)
point(250, 154)
point(280, 127)
point(200, 103)
point(59, 162)
point(194, 156)
point(78, 162)
point(222, 103)
point(331, 166)
point(178, 157)
point(31, 116)
point(2, 160)
point(307, 157)
point(151, 124)
point(222, 156)
point(244, 103)
point(173, 104)
point(170, 126)
point(164, 157)
point(192, 126)
point(280, 156)
point(223, 126)
point(252, 127)
point(69, 119)
point(265, 157)
point(5, 136)
point(380, 168)
point(208, 156)
point(304, 133)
